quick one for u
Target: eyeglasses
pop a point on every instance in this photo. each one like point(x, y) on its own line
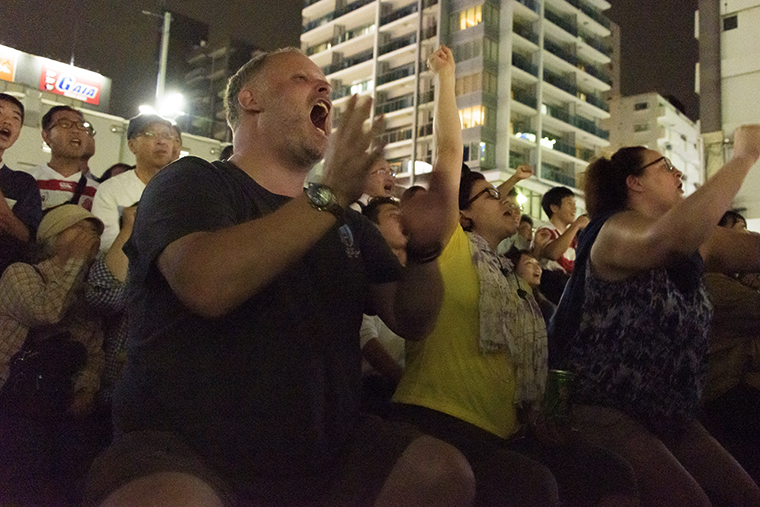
point(158, 136)
point(385, 172)
point(668, 164)
point(80, 124)
point(492, 193)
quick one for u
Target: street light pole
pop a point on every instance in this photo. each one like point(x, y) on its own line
point(164, 57)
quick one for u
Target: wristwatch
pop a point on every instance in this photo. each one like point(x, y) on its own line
point(322, 198)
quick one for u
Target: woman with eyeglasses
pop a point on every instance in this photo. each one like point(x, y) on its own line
point(478, 380)
point(633, 322)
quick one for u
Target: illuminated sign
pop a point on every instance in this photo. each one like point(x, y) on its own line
point(7, 64)
point(70, 82)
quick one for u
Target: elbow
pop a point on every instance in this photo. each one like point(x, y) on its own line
point(204, 299)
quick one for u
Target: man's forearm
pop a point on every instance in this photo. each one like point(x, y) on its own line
point(419, 294)
point(214, 272)
point(12, 226)
point(555, 249)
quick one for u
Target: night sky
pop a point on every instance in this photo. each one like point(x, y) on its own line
point(112, 37)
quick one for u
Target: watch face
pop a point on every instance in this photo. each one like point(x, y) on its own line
point(320, 195)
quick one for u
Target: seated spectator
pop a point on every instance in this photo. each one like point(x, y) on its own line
point(152, 141)
point(380, 183)
point(529, 270)
point(20, 205)
point(242, 380)
point(65, 130)
point(382, 349)
point(559, 254)
point(44, 454)
point(731, 400)
point(482, 371)
point(633, 322)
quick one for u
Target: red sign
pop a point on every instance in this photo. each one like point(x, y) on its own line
point(70, 82)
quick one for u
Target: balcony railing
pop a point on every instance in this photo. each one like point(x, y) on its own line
point(557, 175)
point(398, 14)
point(395, 136)
point(577, 121)
point(595, 101)
point(560, 82)
point(524, 97)
point(524, 63)
point(398, 43)
point(597, 73)
point(396, 74)
point(531, 4)
point(561, 22)
point(526, 32)
point(561, 52)
point(335, 15)
point(348, 62)
point(595, 15)
point(395, 104)
point(595, 43)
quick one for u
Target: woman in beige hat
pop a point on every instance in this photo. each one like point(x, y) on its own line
point(39, 302)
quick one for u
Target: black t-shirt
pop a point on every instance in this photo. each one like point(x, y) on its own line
point(270, 388)
point(20, 189)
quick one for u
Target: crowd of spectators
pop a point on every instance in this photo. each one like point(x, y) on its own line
point(184, 332)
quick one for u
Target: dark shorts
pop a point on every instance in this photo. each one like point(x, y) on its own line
point(514, 471)
point(366, 461)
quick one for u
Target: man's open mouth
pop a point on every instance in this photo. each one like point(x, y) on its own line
point(5, 132)
point(319, 114)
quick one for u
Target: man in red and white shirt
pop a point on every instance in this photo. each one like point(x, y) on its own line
point(558, 258)
point(61, 180)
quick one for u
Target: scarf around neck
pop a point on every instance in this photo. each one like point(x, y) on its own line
point(509, 322)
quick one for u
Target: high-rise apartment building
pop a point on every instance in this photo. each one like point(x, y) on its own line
point(531, 79)
point(650, 120)
point(728, 78)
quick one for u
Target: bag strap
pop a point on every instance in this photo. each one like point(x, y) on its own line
point(79, 190)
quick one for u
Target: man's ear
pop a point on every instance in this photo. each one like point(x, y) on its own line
point(45, 137)
point(554, 209)
point(131, 144)
point(248, 101)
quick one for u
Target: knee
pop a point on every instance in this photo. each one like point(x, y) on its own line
point(440, 470)
point(165, 489)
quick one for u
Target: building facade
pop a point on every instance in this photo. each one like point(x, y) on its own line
point(728, 79)
point(532, 79)
point(649, 120)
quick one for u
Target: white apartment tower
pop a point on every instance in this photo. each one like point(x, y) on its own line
point(728, 81)
point(532, 76)
point(648, 119)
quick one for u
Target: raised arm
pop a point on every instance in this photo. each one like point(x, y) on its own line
point(214, 272)
point(431, 217)
point(522, 172)
point(410, 306)
point(556, 248)
point(630, 241)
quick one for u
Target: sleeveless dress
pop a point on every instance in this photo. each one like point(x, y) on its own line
point(640, 345)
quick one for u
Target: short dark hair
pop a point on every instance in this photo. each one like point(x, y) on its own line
point(372, 209)
point(5, 97)
point(468, 178)
point(605, 188)
point(526, 218)
point(47, 120)
point(514, 255)
point(554, 197)
point(731, 218)
point(242, 77)
point(410, 192)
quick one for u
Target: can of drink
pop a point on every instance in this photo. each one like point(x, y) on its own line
point(558, 403)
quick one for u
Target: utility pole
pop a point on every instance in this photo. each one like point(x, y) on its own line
point(167, 18)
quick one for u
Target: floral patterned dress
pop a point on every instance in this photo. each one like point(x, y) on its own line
point(641, 345)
